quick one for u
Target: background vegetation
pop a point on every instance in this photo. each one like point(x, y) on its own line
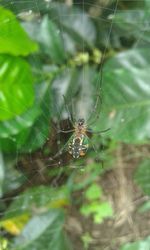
point(76, 49)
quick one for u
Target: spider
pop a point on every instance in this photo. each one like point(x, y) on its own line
point(78, 143)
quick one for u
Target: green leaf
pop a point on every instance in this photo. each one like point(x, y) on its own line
point(147, 3)
point(39, 198)
point(93, 192)
point(10, 128)
point(44, 232)
point(103, 211)
point(51, 40)
point(15, 132)
point(75, 25)
point(144, 207)
point(134, 23)
point(75, 22)
point(99, 210)
point(29, 131)
point(13, 177)
point(71, 31)
point(142, 176)
point(13, 39)
point(16, 87)
point(49, 37)
point(138, 245)
point(39, 132)
point(126, 92)
point(91, 171)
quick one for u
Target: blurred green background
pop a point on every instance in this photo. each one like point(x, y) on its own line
point(87, 59)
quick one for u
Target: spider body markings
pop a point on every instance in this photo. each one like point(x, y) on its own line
point(78, 144)
point(79, 141)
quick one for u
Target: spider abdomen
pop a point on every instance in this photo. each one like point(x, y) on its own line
point(78, 145)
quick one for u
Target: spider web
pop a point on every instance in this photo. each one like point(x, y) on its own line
point(39, 162)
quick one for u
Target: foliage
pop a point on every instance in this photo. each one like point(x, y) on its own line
point(50, 224)
point(57, 50)
point(144, 207)
point(142, 176)
point(9, 32)
point(94, 204)
point(139, 245)
point(3, 244)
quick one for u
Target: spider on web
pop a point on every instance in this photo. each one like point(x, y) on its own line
point(78, 143)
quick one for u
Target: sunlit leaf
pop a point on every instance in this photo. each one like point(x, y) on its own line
point(99, 210)
point(16, 87)
point(93, 192)
point(13, 39)
point(29, 131)
point(103, 211)
point(3, 243)
point(15, 225)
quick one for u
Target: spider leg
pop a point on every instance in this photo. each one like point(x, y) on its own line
point(59, 153)
point(65, 131)
point(63, 149)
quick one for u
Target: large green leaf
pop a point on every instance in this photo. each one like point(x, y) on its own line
point(14, 132)
point(134, 23)
point(126, 97)
point(147, 3)
point(41, 198)
point(51, 40)
point(67, 28)
point(39, 132)
point(44, 232)
point(49, 37)
point(76, 27)
point(16, 87)
point(29, 131)
point(142, 176)
point(75, 22)
point(138, 245)
point(13, 39)
point(10, 128)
